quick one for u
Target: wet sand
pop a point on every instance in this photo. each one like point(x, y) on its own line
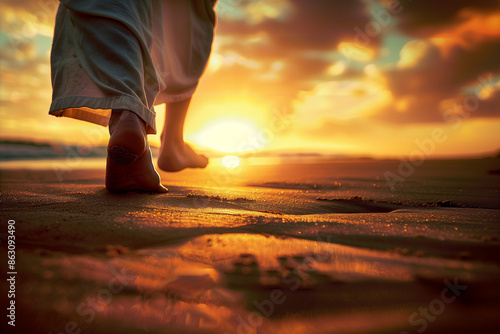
point(296, 248)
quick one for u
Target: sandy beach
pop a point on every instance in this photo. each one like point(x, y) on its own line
point(296, 247)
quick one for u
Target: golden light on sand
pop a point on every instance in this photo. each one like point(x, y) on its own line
point(230, 161)
point(229, 135)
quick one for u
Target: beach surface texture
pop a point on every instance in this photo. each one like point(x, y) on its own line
point(354, 246)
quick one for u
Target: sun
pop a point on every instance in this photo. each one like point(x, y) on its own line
point(230, 161)
point(229, 135)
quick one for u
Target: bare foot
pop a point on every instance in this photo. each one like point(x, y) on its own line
point(129, 166)
point(176, 157)
point(175, 154)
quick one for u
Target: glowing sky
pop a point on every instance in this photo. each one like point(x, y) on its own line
point(349, 77)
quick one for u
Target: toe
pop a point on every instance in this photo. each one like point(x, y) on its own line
point(203, 161)
point(161, 189)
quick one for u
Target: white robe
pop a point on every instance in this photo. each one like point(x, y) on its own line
point(128, 54)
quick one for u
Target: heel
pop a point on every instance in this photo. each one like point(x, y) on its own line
point(121, 155)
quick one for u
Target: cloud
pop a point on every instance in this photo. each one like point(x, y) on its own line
point(425, 18)
point(23, 19)
point(449, 58)
point(426, 76)
point(25, 36)
point(457, 47)
point(303, 39)
point(316, 25)
point(340, 100)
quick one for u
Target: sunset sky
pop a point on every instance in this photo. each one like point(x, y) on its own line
point(335, 77)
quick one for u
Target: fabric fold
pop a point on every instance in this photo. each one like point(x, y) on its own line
point(128, 54)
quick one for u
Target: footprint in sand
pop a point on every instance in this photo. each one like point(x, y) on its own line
point(245, 269)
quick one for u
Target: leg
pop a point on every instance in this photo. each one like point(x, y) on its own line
point(100, 61)
point(183, 41)
point(129, 165)
point(175, 154)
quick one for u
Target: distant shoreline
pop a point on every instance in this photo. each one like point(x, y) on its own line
point(24, 150)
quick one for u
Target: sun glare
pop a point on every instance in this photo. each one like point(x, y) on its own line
point(230, 161)
point(229, 135)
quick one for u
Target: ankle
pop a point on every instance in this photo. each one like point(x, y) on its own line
point(129, 131)
point(172, 141)
point(113, 120)
point(127, 119)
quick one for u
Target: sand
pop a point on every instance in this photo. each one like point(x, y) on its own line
point(284, 248)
